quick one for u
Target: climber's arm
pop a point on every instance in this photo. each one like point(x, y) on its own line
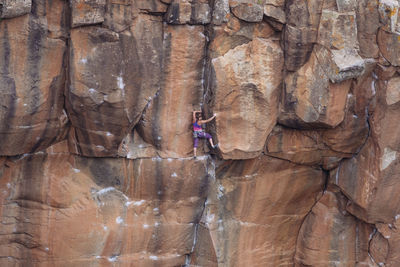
point(210, 119)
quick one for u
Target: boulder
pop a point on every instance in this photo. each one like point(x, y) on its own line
point(388, 14)
point(275, 13)
point(301, 31)
point(302, 147)
point(247, 10)
point(247, 84)
point(338, 30)
point(350, 135)
point(32, 80)
point(87, 12)
point(234, 33)
point(368, 179)
point(220, 12)
point(277, 3)
point(340, 65)
point(310, 100)
point(14, 8)
point(393, 91)
point(326, 147)
point(201, 13)
point(389, 46)
point(367, 27)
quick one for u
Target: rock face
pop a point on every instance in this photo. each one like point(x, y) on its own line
point(313, 100)
point(247, 83)
point(238, 208)
point(123, 206)
point(96, 144)
point(32, 78)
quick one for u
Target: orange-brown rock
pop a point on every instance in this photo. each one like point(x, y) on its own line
point(302, 147)
point(379, 248)
point(338, 49)
point(84, 211)
point(386, 243)
point(327, 147)
point(389, 45)
point(151, 6)
point(393, 91)
point(247, 83)
point(262, 230)
point(301, 31)
point(310, 100)
point(234, 33)
point(275, 13)
point(369, 179)
point(247, 10)
point(329, 236)
point(87, 12)
point(32, 77)
point(367, 27)
point(96, 101)
point(337, 30)
point(105, 106)
point(167, 121)
point(352, 133)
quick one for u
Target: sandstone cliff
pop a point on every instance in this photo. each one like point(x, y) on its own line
point(96, 146)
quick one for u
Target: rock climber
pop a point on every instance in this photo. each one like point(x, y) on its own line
point(198, 130)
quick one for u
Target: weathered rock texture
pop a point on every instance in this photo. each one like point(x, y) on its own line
point(96, 145)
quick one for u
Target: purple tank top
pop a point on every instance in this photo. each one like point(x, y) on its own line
point(197, 127)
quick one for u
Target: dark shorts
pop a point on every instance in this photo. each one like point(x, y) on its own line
point(201, 135)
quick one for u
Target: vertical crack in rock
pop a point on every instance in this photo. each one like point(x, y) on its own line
point(326, 173)
point(369, 245)
point(210, 170)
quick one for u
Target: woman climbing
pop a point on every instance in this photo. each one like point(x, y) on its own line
point(198, 130)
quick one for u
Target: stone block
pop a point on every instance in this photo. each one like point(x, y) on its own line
point(14, 8)
point(338, 30)
point(247, 10)
point(389, 45)
point(393, 91)
point(87, 12)
point(389, 13)
point(247, 85)
point(276, 13)
point(341, 64)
